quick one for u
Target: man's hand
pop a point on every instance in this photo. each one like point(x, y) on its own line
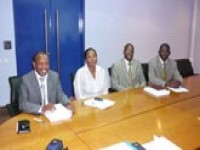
point(173, 84)
point(158, 87)
point(70, 107)
point(48, 107)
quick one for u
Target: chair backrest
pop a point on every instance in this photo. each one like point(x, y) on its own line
point(145, 67)
point(185, 67)
point(111, 89)
point(14, 82)
point(72, 76)
point(110, 71)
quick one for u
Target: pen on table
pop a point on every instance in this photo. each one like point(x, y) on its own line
point(98, 99)
point(38, 119)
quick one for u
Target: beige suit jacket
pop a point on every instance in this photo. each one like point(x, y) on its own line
point(120, 79)
point(156, 71)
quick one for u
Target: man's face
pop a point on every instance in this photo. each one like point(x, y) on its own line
point(91, 59)
point(164, 53)
point(41, 64)
point(128, 53)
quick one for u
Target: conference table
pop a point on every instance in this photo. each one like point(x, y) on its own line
point(136, 116)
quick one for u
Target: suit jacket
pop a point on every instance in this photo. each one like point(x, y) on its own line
point(30, 95)
point(119, 75)
point(156, 71)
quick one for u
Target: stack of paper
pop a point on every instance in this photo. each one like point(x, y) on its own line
point(155, 92)
point(61, 113)
point(179, 90)
point(120, 146)
point(101, 104)
point(161, 143)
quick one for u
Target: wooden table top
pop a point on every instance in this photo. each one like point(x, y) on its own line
point(180, 123)
point(128, 103)
point(41, 134)
point(135, 111)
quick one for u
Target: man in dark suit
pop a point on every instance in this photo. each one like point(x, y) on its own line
point(40, 89)
point(127, 72)
point(163, 71)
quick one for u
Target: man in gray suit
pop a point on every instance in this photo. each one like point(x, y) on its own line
point(163, 71)
point(127, 72)
point(40, 89)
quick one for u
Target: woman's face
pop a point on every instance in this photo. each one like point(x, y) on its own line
point(91, 58)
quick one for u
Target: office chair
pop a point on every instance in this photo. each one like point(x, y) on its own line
point(145, 68)
point(185, 67)
point(111, 90)
point(13, 108)
point(72, 76)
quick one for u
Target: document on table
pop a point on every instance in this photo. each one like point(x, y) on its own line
point(120, 146)
point(155, 92)
point(101, 104)
point(160, 143)
point(179, 90)
point(61, 113)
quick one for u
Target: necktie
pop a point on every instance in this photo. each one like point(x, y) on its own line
point(42, 90)
point(130, 73)
point(164, 72)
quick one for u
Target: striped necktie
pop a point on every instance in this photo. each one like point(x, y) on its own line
point(164, 71)
point(130, 73)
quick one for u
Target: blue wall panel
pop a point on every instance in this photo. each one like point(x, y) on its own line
point(65, 35)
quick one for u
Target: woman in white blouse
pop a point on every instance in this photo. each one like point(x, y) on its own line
point(91, 80)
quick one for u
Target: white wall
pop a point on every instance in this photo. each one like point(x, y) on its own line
point(112, 23)
point(197, 39)
point(7, 57)
point(146, 23)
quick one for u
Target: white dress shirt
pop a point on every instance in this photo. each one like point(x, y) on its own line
point(127, 64)
point(86, 86)
point(162, 62)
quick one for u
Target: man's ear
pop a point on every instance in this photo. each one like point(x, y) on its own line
point(33, 64)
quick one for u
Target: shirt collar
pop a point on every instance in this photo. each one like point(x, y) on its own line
point(38, 76)
point(127, 62)
point(162, 62)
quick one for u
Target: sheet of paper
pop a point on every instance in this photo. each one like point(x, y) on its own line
point(161, 143)
point(120, 146)
point(105, 103)
point(61, 113)
point(179, 90)
point(155, 92)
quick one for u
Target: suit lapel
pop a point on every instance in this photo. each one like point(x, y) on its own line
point(124, 69)
point(34, 83)
point(134, 69)
point(49, 86)
point(159, 65)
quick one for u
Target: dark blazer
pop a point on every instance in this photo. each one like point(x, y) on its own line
point(156, 71)
point(30, 95)
point(119, 78)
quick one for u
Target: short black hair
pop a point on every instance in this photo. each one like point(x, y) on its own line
point(88, 50)
point(38, 53)
point(164, 45)
point(127, 45)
